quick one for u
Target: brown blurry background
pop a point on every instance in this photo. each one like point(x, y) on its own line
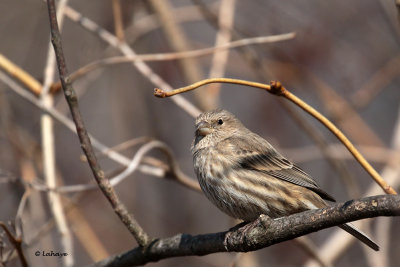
point(344, 61)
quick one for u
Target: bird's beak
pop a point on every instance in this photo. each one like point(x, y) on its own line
point(203, 128)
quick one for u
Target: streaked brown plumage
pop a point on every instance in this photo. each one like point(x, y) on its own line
point(244, 176)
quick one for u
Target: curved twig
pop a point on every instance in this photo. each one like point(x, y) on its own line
point(175, 170)
point(112, 153)
point(276, 88)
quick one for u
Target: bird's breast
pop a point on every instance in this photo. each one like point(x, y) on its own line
point(210, 164)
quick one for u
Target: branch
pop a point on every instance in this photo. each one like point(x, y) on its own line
point(148, 168)
point(133, 226)
point(49, 150)
point(219, 60)
point(263, 232)
point(16, 242)
point(118, 21)
point(18, 73)
point(276, 88)
point(170, 56)
point(126, 50)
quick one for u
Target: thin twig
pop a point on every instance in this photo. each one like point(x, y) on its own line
point(175, 55)
point(124, 145)
point(48, 150)
point(338, 242)
point(175, 171)
point(124, 48)
point(118, 22)
point(337, 163)
point(249, 55)
point(172, 162)
point(113, 155)
point(176, 38)
point(19, 74)
point(129, 52)
point(147, 23)
point(16, 242)
point(133, 226)
point(20, 210)
point(277, 89)
point(220, 59)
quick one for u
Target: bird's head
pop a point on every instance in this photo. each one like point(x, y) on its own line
point(214, 126)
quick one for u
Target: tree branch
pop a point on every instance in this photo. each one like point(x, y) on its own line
point(17, 243)
point(263, 232)
point(133, 226)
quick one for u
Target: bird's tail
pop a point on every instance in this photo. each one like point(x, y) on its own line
point(351, 229)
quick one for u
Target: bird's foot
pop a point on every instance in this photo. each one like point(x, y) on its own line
point(238, 233)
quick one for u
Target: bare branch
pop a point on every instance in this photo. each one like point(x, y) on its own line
point(133, 226)
point(19, 74)
point(49, 149)
point(149, 169)
point(118, 22)
point(263, 232)
point(220, 59)
point(332, 250)
point(125, 49)
point(174, 55)
point(16, 242)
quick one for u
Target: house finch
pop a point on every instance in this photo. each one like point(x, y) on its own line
point(244, 176)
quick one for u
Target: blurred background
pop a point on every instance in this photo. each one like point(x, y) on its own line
point(344, 60)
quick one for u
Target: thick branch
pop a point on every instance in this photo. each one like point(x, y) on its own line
point(263, 233)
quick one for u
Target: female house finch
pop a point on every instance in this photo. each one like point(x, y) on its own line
point(244, 176)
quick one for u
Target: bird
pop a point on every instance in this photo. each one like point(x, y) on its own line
point(245, 176)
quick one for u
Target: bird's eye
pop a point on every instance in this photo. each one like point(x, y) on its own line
point(220, 122)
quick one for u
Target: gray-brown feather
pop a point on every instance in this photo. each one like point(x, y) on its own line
point(244, 176)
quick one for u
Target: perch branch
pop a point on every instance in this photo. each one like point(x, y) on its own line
point(264, 232)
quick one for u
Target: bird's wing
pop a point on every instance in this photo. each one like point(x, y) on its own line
point(264, 158)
